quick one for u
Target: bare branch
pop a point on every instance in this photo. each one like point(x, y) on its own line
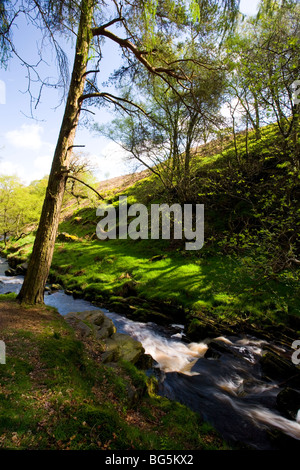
point(125, 43)
point(98, 31)
point(87, 185)
point(112, 99)
point(73, 146)
point(90, 71)
point(87, 110)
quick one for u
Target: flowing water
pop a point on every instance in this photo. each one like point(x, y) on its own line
point(227, 391)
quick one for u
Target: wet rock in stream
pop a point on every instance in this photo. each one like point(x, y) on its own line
point(117, 345)
point(10, 272)
point(232, 388)
point(277, 367)
point(22, 268)
point(288, 403)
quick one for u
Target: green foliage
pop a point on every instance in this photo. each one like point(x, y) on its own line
point(19, 205)
point(5, 19)
point(10, 296)
point(260, 196)
point(81, 168)
point(263, 64)
point(163, 139)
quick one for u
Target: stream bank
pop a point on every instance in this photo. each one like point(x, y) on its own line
point(199, 323)
point(245, 386)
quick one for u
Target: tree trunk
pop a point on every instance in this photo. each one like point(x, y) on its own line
point(188, 156)
point(257, 119)
point(32, 291)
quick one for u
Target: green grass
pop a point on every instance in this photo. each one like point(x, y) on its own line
point(214, 284)
point(54, 395)
point(230, 278)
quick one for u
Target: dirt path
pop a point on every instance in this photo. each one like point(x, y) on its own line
point(17, 317)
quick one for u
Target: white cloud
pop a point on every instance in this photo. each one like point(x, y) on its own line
point(43, 163)
point(25, 153)
point(28, 136)
point(29, 171)
point(9, 168)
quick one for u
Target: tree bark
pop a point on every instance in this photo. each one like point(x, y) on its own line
point(32, 291)
point(188, 156)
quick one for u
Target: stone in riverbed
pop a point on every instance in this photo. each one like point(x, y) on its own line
point(288, 402)
point(121, 346)
point(92, 322)
point(55, 287)
point(22, 268)
point(199, 329)
point(277, 367)
point(216, 349)
point(117, 346)
point(10, 272)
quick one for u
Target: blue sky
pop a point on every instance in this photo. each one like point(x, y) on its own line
point(27, 145)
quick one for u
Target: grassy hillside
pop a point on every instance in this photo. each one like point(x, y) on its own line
point(246, 273)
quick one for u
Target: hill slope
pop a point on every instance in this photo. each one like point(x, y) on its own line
point(246, 273)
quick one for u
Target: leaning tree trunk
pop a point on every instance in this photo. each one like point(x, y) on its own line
point(32, 291)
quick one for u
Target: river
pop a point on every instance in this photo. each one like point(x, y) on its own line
point(227, 391)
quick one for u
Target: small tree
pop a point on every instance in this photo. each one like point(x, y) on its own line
point(19, 205)
point(81, 171)
point(264, 64)
point(10, 209)
point(174, 122)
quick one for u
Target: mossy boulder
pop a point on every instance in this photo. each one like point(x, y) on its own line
point(55, 287)
point(128, 289)
point(119, 307)
point(216, 349)
point(68, 292)
point(147, 315)
point(10, 272)
point(121, 346)
point(66, 237)
point(92, 323)
point(117, 346)
point(14, 260)
point(199, 329)
point(104, 327)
